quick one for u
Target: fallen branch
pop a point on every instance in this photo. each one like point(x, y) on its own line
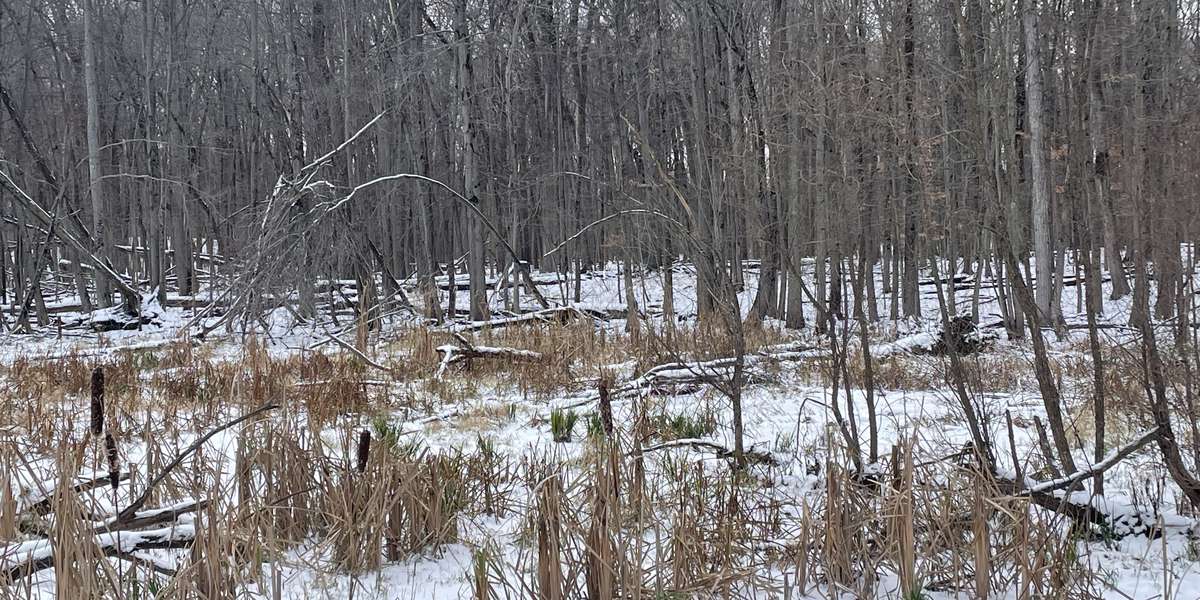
point(150, 518)
point(38, 501)
point(124, 534)
point(706, 446)
point(633, 211)
point(466, 351)
point(1109, 461)
point(1050, 495)
point(81, 243)
point(130, 512)
point(26, 558)
point(111, 350)
point(472, 205)
point(558, 314)
point(1082, 515)
point(148, 561)
point(356, 352)
point(323, 382)
point(498, 282)
point(675, 376)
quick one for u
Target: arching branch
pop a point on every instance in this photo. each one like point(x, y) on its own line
point(522, 266)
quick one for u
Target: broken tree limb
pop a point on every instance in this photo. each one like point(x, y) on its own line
point(26, 558)
point(130, 294)
point(1109, 461)
point(131, 511)
point(1054, 495)
point(688, 374)
point(633, 211)
point(148, 561)
point(38, 501)
point(356, 352)
point(113, 350)
point(558, 314)
point(151, 517)
point(34, 281)
point(705, 446)
point(466, 351)
point(1081, 514)
point(504, 279)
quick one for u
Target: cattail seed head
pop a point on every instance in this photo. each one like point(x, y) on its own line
point(364, 450)
point(606, 417)
point(114, 470)
point(97, 425)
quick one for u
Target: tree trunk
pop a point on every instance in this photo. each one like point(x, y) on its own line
point(476, 233)
point(1039, 169)
point(95, 187)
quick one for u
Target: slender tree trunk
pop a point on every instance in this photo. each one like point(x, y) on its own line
point(1039, 169)
point(476, 233)
point(910, 291)
point(95, 187)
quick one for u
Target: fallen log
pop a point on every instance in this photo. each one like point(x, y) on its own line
point(148, 518)
point(494, 283)
point(686, 376)
point(1054, 495)
point(325, 382)
point(684, 373)
point(1084, 515)
point(115, 319)
point(26, 558)
point(132, 510)
point(125, 533)
point(558, 314)
point(37, 501)
point(465, 351)
point(1107, 463)
point(753, 456)
point(963, 282)
point(150, 346)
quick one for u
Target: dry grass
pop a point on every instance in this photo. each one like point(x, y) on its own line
point(611, 523)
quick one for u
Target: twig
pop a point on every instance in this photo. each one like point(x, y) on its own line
point(131, 511)
point(358, 353)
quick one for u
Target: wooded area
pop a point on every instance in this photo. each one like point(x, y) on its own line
point(268, 149)
point(763, 253)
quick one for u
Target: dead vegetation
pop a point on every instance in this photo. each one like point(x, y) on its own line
point(335, 480)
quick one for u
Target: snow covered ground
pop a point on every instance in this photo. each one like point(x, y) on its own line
point(787, 416)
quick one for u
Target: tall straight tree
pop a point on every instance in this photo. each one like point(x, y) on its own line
point(796, 134)
point(1039, 169)
point(471, 189)
point(95, 186)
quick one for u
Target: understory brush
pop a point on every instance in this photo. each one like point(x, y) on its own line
point(340, 480)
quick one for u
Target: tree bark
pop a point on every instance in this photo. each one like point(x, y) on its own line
point(1039, 169)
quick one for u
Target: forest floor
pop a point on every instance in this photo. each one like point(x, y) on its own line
point(464, 491)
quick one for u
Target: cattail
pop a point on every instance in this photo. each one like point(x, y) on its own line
point(364, 449)
point(114, 471)
point(97, 401)
point(981, 546)
point(549, 540)
point(606, 418)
